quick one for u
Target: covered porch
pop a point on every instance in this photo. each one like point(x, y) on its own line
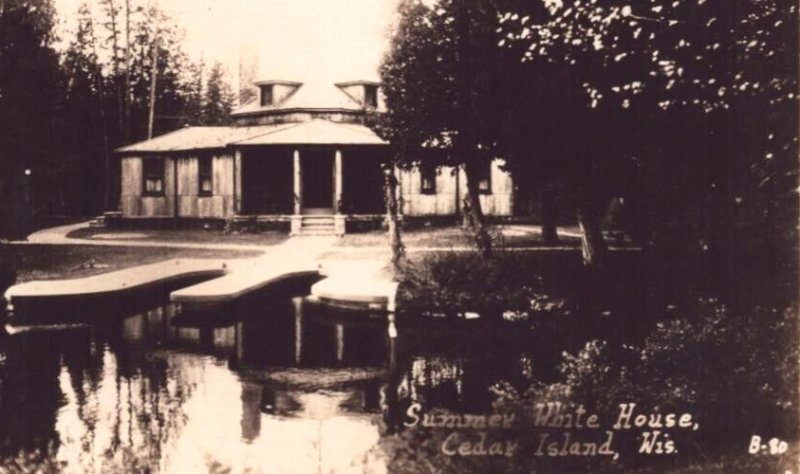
point(316, 175)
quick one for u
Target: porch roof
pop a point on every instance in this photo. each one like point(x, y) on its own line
point(197, 138)
point(316, 132)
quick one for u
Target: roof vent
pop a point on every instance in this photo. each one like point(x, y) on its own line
point(275, 92)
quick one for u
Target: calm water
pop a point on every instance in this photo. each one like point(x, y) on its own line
point(279, 385)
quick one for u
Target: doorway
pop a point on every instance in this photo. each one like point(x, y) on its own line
point(317, 166)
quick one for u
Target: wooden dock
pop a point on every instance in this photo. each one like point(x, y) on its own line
point(202, 284)
point(49, 300)
point(246, 278)
point(356, 285)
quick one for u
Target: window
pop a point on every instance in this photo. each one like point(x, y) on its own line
point(205, 177)
point(153, 171)
point(266, 95)
point(427, 180)
point(371, 96)
point(484, 178)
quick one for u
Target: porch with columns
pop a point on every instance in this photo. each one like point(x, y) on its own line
point(329, 185)
point(304, 214)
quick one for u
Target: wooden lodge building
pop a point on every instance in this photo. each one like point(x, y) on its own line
point(299, 157)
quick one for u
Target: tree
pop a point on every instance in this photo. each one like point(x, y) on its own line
point(439, 79)
point(30, 88)
point(654, 90)
point(193, 94)
point(116, 55)
point(86, 139)
point(219, 98)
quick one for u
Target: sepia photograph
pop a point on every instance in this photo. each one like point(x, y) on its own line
point(399, 236)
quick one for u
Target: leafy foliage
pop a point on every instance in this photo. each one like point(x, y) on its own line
point(451, 284)
point(440, 80)
point(62, 113)
point(712, 364)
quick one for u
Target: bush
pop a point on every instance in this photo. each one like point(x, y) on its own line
point(455, 282)
point(737, 374)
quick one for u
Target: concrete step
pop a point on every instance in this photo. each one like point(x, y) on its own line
point(318, 226)
point(98, 222)
point(307, 232)
point(317, 221)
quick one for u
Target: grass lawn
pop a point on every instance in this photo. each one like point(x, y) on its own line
point(52, 262)
point(439, 237)
point(444, 237)
point(210, 236)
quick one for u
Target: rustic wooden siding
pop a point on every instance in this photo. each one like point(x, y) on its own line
point(444, 202)
point(499, 203)
point(133, 203)
point(219, 205)
point(131, 186)
point(417, 204)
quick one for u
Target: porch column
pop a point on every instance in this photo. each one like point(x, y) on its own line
point(297, 195)
point(237, 181)
point(339, 224)
point(298, 183)
point(337, 182)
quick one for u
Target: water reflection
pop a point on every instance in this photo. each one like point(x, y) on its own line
point(281, 385)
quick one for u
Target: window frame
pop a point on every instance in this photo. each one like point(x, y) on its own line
point(262, 95)
point(149, 175)
point(205, 174)
point(371, 96)
point(487, 178)
point(423, 175)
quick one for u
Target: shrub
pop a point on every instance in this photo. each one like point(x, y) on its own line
point(736, 373)
point(455, 282)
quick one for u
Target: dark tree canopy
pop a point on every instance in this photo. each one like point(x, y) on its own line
point(440, 78)
point(688, 107)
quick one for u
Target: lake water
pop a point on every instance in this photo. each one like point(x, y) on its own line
point(279, 384)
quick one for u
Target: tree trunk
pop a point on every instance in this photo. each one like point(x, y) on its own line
point(474, 213)
point(466, 215)
point(115, 62)
point(110, 185)
point(153, 80)
point(98, 78)
point(548, 215)
point(392, 212)
point(128, 99)
point(593, 246)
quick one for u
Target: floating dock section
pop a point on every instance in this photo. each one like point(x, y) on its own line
point(356, 285)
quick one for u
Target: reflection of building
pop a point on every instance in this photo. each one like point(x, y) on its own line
point(300, 155)
point(282, 333)
point(271, 398)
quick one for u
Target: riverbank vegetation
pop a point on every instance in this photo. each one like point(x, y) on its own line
point(724, 351)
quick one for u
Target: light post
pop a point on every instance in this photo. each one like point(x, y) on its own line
point(26, 197)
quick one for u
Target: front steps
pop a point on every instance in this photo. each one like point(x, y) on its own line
point(101, 221)
point(318, 224)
